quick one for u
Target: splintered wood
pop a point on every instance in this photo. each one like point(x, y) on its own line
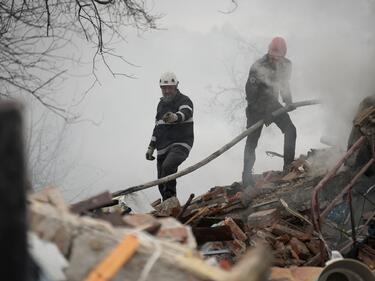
point(99, 251)
point(219, 228)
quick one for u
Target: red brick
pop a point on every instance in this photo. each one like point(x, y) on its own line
point(177, 234)
point(236, 230)
point(262, 219)
point(299, 248)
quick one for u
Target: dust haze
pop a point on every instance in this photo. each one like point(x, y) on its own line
point(331, 46)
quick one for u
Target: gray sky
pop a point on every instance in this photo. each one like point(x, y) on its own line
point(331, 45)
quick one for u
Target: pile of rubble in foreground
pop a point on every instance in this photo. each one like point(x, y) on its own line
point(71, 247)
point(228, 233)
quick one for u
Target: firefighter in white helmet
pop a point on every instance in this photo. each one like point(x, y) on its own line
point(173, 134)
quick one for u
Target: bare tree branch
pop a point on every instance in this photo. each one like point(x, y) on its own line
point(35, 37)
point(231, 98)
point(235, 6)
point(29, 51)
point(48, 17)
point(104, 2)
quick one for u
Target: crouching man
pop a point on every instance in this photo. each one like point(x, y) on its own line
point(363, 125)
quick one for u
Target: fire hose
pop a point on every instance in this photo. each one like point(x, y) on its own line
point(216, 154)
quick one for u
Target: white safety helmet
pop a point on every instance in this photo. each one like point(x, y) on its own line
point(168, 79)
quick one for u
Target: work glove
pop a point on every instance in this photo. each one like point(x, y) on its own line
point(149, 153)
point(268, 119)
point(170, 117)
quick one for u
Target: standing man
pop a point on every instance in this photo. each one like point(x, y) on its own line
point(268, 77)
point(173, 135)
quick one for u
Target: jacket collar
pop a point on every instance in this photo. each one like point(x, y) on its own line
point(162, 99)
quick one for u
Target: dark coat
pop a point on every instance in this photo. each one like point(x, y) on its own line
point(180, 132)
point(265, 82)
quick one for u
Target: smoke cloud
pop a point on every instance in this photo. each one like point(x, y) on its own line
point(331, 46)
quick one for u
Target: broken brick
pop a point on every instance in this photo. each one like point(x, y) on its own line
point(156, 203)
point(262, 219)
point(170, 207)
point(52, 195)
point(236, 230)
point(279, 246)
point(283, 238)
point(367, 255)
point(237, 247)
point(176, 234)
point(314, 246)
point(266, 236)
point(299, 248)
point(214, 193)
point(144, 221)
point(279, 229)
point(225, 264)
point(293, 254)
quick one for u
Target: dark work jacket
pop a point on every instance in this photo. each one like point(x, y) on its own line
point(264, 84)
point(181, 132)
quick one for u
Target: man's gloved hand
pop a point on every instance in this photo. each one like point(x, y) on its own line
point(268, 119)
point(170, 117)
point(149, 153)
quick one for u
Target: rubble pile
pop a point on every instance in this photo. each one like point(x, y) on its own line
point(210, 236)
point(227, 236)
point(85, 241)
point(143, 248)
point(228, 220)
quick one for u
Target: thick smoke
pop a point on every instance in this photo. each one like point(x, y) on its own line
point(331, 45)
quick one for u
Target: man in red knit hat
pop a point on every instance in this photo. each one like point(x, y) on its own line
point(268, 78)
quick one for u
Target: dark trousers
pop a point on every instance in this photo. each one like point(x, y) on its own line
point(167, 164)
point(286, 126)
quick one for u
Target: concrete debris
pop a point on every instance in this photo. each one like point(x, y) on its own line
point(47, 256)
point(175, 231)
point(50, 195)
point(169, 254)
point(220, 226)
point(144, 222)
point(287, 229)
point(237, 247)
point(102, 200)
point(236, 230)
point(170, 207)
point(262, 219)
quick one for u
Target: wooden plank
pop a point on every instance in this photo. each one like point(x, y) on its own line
point(263, 219)
point(236, 230)
point(367, 255)
point(188, 202)
point(114, 218)
point(208, 221)
point(115, 260)
point(95, 202)
point(199, 214)
point(279, 229)
point(214, 155)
